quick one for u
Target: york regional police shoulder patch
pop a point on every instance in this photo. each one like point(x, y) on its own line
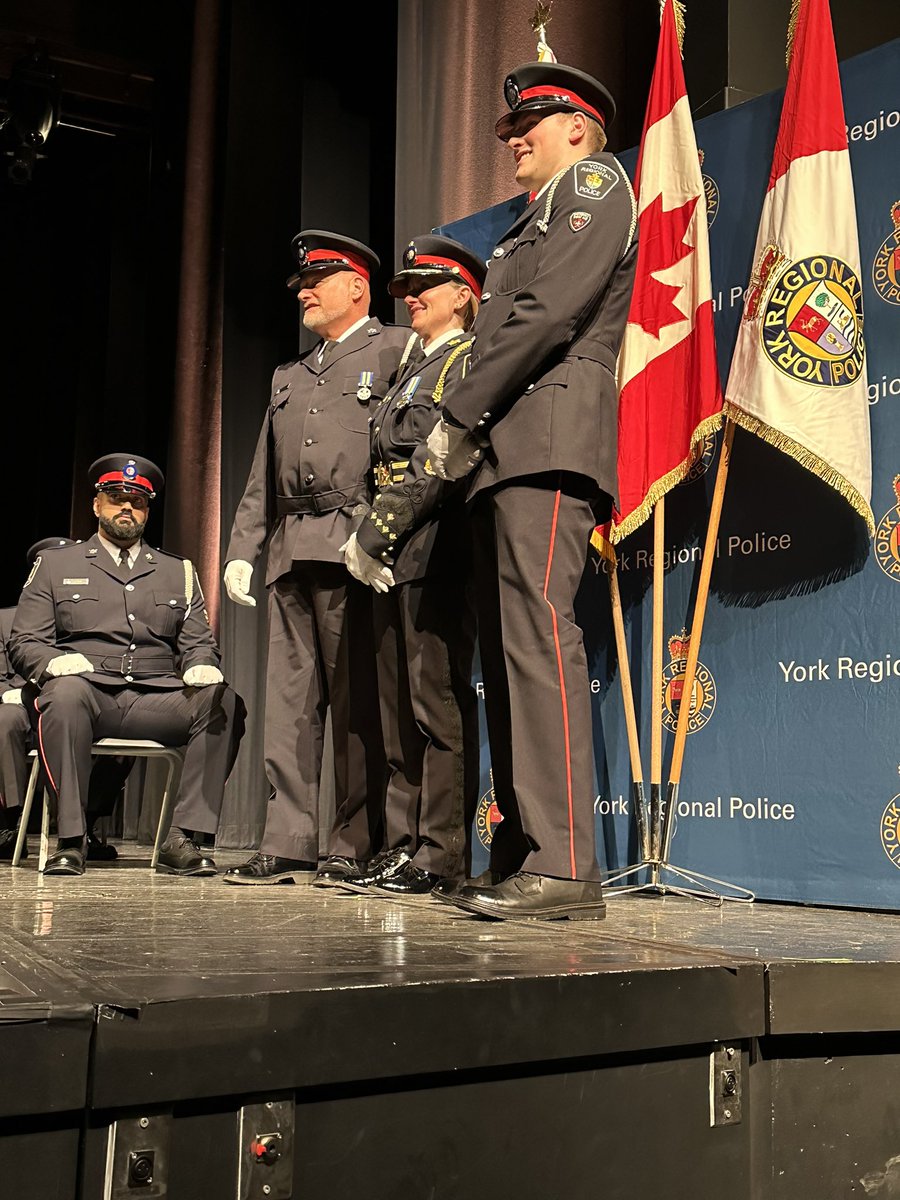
point(594, 180)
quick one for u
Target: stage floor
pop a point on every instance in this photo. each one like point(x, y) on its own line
point(156, 993)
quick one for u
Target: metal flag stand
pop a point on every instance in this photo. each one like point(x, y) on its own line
point(656, 842)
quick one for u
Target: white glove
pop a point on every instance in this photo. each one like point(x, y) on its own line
point(238, 574)
point(364, 567)
point(69, 664)
point(453, 450)
point(202, 676)
point(13, 696)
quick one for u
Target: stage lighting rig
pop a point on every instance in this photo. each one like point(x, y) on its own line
point(32, 103)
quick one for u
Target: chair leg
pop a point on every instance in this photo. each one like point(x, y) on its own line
point(45, 832)
point(26, 812)
point(174, 761)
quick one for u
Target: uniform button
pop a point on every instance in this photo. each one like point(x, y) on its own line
point(307, 441)
point(309, 479)
point(129, 587)
point(498, 252)
point(530, 388)
point(76, 595)
point(172, 602)
point(129, 679)
point(485, 296)
point(132, 647)
point(131, 616)
point(319, 382)
point(378, 429)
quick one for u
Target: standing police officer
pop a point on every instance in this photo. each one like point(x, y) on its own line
point(308, 473)
point(537, 413)
point(117, 637)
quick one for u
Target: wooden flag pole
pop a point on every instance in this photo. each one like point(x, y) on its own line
point(656, 728)
point(690, 672)
point(631, 725)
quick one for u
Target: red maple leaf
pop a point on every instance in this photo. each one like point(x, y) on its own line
point(661, 245)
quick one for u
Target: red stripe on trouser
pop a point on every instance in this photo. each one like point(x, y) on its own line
point(562, 686)
point(41, 746)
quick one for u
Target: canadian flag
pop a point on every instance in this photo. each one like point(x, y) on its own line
point(670, 392)
point(798, 377)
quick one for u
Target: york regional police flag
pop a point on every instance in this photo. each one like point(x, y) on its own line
point(798, 374)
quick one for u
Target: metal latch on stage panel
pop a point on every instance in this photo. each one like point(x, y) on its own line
point(137, 1158)
point(725, 1090)
point(266, 1150)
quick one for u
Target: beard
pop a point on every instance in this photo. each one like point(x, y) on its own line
point(318, 317)
point(122, 529)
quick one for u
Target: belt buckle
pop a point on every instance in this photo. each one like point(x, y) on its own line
point(127, 666)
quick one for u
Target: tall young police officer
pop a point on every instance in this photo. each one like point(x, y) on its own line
point(116, 635)
point(308, 473)
point(537, 415)
point(425, 624)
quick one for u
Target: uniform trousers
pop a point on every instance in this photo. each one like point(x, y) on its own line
point(74, 712)
point(425, 642)
point(531, 541)
point(321, 652)
point(17, 739)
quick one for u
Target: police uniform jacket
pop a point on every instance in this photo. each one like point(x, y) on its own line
point(145, 626)
point(9, 678)
point(415, 522)
point(542, 384)
point(312, 457)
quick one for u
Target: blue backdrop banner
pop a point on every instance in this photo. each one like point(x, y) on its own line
point(791, 782)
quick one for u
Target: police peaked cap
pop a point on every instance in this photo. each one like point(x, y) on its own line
point(319, 250)
point(126, 473)
point(546, 87)
point(46, 544)
point(438, 259)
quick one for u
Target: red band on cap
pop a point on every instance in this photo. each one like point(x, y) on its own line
point(345, 259)
point(429, 260)
point(569, 98)
point(118, 477)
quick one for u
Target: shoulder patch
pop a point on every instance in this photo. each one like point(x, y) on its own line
point(594, 180)
point(578, 220)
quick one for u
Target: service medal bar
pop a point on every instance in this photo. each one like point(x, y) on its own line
point(364, 387)
point(411, 388)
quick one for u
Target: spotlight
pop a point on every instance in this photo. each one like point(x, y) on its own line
point(33, 103)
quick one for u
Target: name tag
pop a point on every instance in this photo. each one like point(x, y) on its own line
point(79, 581)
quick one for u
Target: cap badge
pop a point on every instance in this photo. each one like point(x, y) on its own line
point(409, 255)
point(511, 91)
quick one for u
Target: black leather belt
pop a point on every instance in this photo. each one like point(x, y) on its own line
point(135, 663)
point(321, 502)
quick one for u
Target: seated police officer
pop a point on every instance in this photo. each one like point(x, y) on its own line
point(116, 635)
point(17, 720)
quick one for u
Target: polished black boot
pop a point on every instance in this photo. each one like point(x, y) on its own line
point(269, 868)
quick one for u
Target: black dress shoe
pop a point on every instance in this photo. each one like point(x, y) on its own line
point(527, 897)
point(336, 870)
point(8, 845)
point(446, 888)
point(383, 865)
point(66, 860)
point(98, 851)
point(410, 880)
point(268, 868)
point(180, 855)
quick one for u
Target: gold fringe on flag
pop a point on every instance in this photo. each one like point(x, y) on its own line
point(539, 23)
point(806, 458)
point(679, 10)
point(792, 30)
point(602, 544)
point(668, 481)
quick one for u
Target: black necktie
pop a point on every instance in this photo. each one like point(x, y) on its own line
point(124, 560)
point(326, 353)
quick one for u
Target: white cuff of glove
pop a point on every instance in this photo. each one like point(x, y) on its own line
point(13, 696)
point(238, 574)
point(202, 676)
point(69, 664)
point(364, 567)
